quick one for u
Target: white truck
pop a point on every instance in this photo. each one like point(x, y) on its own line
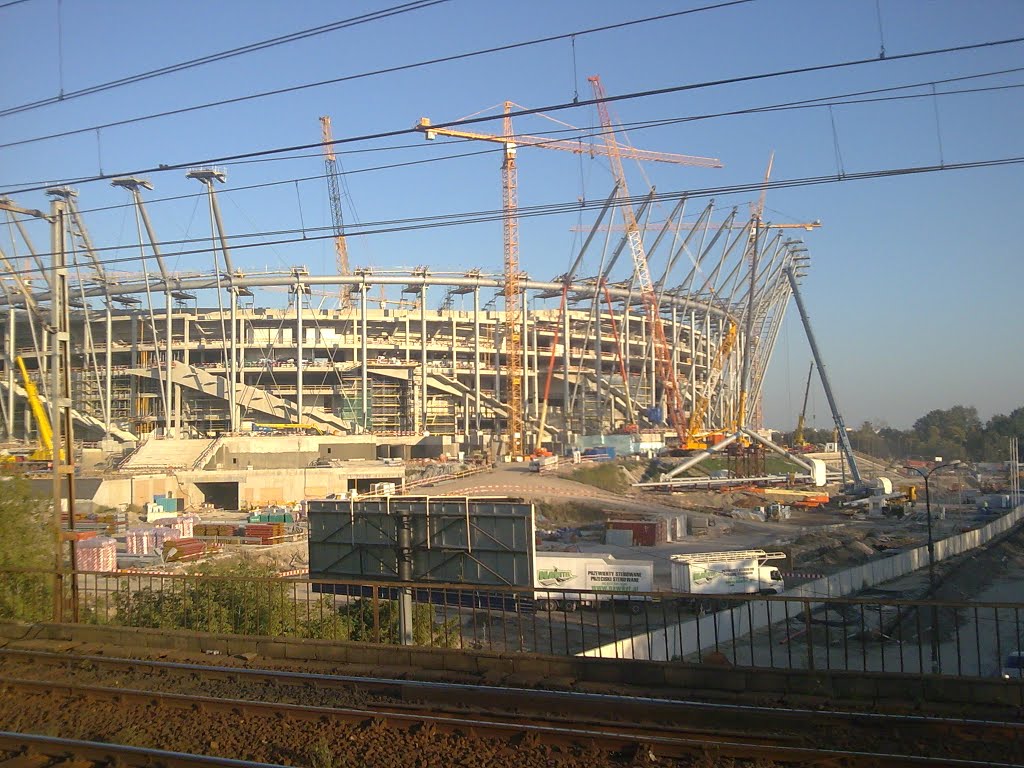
point(599, 577)
point(715, 574)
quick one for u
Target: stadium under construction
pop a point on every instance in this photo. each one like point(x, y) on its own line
point(146, 355)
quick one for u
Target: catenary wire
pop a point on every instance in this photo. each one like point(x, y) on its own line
point(477, 217)
point(551, 108)
point(596, 132)
point(373, 73)
point(222, 55)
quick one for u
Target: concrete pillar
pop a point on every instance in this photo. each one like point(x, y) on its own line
point(186, 340)
point(537, 362)
point(233, 362)
point(476, 353)
point(364, 377)
point(169, 388)
point(525, 336)
point(298, 354)
point(423, 356)
point(108, 369)
point(675, 351)
point(9, 366)
point(598, 365)
point(693, 357)
point(566, 362)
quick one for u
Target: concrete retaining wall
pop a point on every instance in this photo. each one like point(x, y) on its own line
point(682, 639)
point(527, 670)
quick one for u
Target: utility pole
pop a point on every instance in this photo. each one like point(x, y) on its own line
point(60, 406)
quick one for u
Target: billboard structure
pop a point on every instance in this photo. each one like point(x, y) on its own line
point(425, 539)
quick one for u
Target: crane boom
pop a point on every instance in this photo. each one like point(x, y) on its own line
point(798, 436)
point(42, 420)
point(844, 438)
point(337, 216)
point(595, 149)
point(662, 353)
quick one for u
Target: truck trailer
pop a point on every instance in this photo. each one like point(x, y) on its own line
point(599, 577)
point(715, 574)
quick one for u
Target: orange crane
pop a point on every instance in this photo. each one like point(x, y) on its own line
point(513, 288)
point(664, 363)
point(337, 217)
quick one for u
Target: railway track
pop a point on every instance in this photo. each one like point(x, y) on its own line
point(26, 750)
point(661, 728)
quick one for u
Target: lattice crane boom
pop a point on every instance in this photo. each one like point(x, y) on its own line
point(337, 215)
point(662, 352)
point(513, 287)
point(595, 149)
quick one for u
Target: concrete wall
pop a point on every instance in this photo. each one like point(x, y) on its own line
point(685, 638)
point(256, 488)
point(290, 451)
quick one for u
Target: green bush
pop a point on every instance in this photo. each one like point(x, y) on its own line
point(26, 544)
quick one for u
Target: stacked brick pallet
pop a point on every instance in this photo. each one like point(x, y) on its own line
point(183, 549)
point(140, 541)
point(98, 554)
point(267, 533)
point(214, 529)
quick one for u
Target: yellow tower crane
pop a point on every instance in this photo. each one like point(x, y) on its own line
point(337, 216)
point(513, 287)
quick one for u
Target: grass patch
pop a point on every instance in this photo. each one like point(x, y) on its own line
point(607, 476)
point(568, 513)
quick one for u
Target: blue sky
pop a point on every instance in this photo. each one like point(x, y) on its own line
point(915, 282)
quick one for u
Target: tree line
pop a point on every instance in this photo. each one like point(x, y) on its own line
point(952, 433)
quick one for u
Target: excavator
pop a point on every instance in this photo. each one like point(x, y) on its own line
point(41, 457)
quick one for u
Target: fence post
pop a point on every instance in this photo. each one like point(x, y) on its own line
point(807, 633)
point(376, 614)
point(58, 597)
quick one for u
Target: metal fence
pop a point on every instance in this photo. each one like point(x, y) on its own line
point(863, 634)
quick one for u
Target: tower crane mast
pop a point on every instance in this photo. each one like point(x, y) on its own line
point(337, 216)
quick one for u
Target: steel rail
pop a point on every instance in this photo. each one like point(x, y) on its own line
point(625, 739)
point(104, 753)
point(648, 709)
point(617, 737)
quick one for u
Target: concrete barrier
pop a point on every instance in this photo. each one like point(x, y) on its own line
point(679, 640)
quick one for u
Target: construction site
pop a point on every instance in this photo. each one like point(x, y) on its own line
point(499, 365)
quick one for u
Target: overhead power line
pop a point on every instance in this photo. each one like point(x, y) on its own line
point(549, 209)
point(590, 133)
point(223, 55)
point(372, 73)
point(550, 108)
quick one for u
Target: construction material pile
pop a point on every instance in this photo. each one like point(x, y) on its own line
point(179, 550)
point(98, 554)
point(214, 529)
point(267, 533)
point(140, 541)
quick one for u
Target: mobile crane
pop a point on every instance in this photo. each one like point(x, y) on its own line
point(42, 456)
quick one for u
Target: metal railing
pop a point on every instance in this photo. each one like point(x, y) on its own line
point(964, 639)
